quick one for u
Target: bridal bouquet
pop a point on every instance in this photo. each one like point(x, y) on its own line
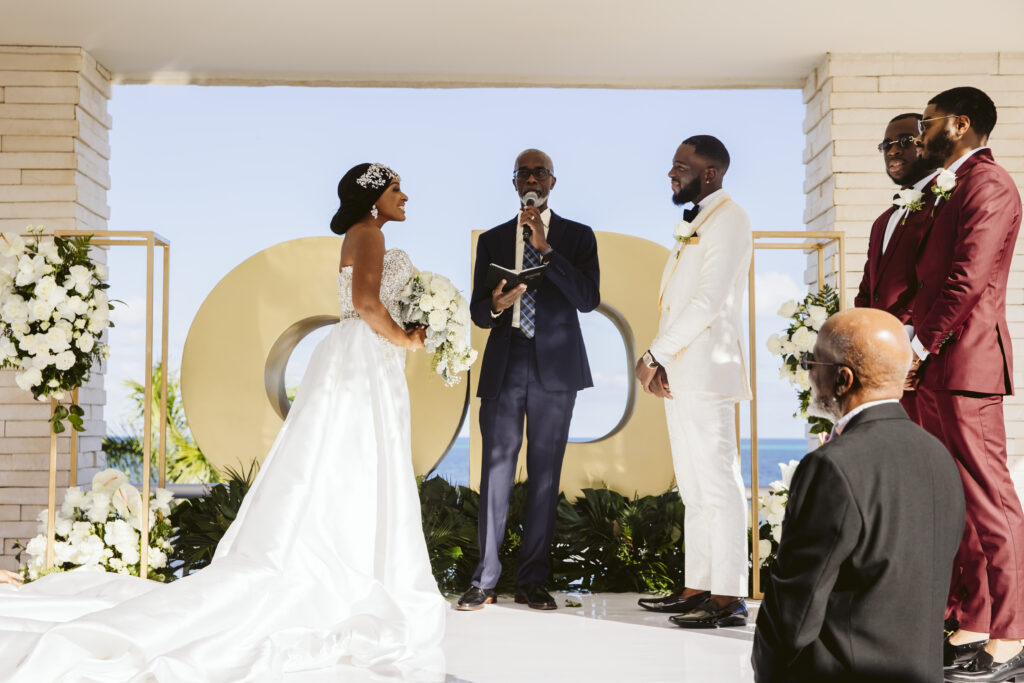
point(432, 301)
point(53, 310)
point(100, 530)
point(806, 318)
point(771, 508)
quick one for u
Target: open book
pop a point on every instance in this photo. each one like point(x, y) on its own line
point(531, 277)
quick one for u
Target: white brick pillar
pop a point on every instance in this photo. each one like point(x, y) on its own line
point(850, 98)
point(54, 155)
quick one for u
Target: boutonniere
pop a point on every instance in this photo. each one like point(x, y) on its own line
point(910, 199)
point(943, 187)
point(685, 233)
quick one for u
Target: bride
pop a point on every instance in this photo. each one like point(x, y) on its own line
point(326, 562)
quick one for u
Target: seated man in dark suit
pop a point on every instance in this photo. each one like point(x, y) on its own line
point(873, 522)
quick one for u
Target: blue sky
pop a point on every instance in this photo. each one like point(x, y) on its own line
point(224, 172)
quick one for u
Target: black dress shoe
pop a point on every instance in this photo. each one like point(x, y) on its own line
point(983, 669)
point(476, 598)
point(535, 596)
point(710, 615)
point(955, 655)
point(675, 603)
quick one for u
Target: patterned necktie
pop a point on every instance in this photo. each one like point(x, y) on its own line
point(527, 307)
point(690, 214)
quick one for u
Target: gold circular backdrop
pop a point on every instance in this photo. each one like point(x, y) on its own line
point(232, 368)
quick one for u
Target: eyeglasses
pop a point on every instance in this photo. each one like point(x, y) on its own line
point(921, 128)
point(905, 140)
point(540, 173)
point(807, 360)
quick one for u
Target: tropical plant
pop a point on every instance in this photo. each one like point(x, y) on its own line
point(186, 463)
point(200, 523)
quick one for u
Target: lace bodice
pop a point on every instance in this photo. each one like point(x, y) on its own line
point(397, 271)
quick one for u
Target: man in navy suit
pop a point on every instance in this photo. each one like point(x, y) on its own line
point(532, 368)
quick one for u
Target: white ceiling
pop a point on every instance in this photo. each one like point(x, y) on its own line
point(622, 43)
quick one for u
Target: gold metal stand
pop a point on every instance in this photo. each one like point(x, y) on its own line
point(126, 238)
point(810, 241)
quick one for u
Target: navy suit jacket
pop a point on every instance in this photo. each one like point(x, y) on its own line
point(571, 284)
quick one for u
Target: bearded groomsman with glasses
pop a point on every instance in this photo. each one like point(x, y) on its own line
point(964, 369)
point(532, 367)
point(889, 282)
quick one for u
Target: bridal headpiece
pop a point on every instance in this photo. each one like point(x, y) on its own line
point(358, 190)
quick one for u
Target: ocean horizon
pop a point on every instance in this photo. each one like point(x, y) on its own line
point(454, 467)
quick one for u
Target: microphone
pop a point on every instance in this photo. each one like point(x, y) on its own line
point(529, 199)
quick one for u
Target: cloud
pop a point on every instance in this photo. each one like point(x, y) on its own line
point(774, 288)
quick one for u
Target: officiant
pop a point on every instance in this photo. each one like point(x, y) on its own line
point(532, 368)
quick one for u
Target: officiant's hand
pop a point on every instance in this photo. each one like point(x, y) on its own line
point(531, 216)
point(502, 300)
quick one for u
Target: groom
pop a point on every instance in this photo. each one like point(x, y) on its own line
point(696, 364)
point(532, 367)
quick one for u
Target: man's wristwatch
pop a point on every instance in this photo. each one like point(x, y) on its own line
point(648, 359)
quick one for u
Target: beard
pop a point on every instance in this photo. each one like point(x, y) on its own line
point(938, 149)
point(823, 406)
point(687, 193)
point(917, 169)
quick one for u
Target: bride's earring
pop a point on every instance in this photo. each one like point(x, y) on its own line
point(373, 211)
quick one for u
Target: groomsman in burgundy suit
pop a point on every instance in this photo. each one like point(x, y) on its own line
point(889, 282)
point(965, 368)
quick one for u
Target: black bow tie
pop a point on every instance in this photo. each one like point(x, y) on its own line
point(894, 198)
point(690, 214)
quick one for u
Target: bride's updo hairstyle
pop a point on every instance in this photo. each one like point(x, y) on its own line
point(358, 190)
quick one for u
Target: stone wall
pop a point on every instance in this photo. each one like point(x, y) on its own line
point(54, 154)
point(850, 98)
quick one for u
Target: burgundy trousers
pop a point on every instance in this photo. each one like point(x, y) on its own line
point(987, 587)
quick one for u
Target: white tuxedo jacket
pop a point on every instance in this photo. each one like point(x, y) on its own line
point(700, 333)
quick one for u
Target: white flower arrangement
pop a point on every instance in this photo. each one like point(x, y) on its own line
point(100, 530)
point(53, 311)
point(945, 181)
point(806, 319)
point(771, 509)
point(432, 301)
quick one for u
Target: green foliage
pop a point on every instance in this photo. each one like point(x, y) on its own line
point(604, 542)
point(186, 463)
point(201, 522)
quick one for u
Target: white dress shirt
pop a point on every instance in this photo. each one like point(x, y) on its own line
point(840, 425)
point(545, 217)
point(915, 343)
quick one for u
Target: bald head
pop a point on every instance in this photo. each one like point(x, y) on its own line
point(531, 158)
point(873, 344)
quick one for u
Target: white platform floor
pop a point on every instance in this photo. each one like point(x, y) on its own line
point(609, 638)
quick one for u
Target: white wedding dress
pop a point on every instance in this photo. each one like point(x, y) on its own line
point(325, 564)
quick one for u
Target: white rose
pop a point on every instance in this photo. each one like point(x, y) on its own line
point(89, 552)
point(774, 345)
point(816, 316)
point(58, 339)
point(157, 559)
point(74, 497)
point(946, 180)
point(20, 327)
point(908, 196)
point(764, 549)
point(15, 308)
point(108, 481)
point(49, 251)
point(37, 546)
point(80, 279)
point(119, 534)
point(80, 531)
point(427, 303)
point(101, 271)
point(788, 309)
point(802, 339)
point(7, 350)
point(46, 287)
point(43, 360)
point(39, 309)
point(64, 552)
point(29, 378)
point(437, 320)
point(803, 379)
point(130, 555)
point(99, 509)
point(683, 230)
point(777, 533)
point(86, 342)
point(62, 526)
point(77, 305)
point(66, 360)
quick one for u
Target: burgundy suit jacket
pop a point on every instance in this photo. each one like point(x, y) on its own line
point(959, 313)
point(889, 282)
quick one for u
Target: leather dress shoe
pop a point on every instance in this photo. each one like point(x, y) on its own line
point(475, 598)
point(955, 655)
point(535, 596)
point(675, 603)
point(710, 615)
point(983, 669)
